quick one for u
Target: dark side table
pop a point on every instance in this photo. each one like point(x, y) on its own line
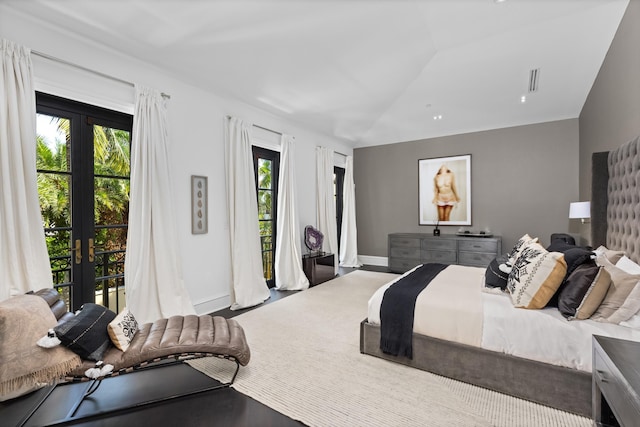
point(616, 382)
point(318, 267)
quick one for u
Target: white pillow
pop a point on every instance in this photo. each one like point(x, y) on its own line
point(633, 322)
point(122, 329)
point(629, 307)
point(628, 266)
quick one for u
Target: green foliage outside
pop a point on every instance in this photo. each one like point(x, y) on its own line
point(265, 217)
point(111, 158)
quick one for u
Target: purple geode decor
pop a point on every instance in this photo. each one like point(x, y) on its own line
point(313, 238)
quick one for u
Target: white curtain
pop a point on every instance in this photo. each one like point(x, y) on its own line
point(24, 260)
point(288, 263)
point(153, 271)
point(249, 287)
point(349, 232)
point(326, 203)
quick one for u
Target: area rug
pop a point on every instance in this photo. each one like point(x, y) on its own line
point(306, 364)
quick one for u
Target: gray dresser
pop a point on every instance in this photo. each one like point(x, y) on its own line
point(406, 250)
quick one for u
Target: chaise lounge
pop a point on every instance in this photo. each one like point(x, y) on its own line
point(26, 366)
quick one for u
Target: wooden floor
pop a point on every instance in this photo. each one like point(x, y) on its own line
point(223, 407)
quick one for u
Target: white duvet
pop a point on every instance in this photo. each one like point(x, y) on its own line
point(453, 307)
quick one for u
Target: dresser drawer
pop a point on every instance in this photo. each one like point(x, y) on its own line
point(478, 259)
point(479, 245)
point(443, 257)
point(405, 252)
point(439, 244)
point(400, 265)
point(404, 242)
point(616, 390)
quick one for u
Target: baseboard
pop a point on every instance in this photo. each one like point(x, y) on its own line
point(212, 305)
point(374, 260)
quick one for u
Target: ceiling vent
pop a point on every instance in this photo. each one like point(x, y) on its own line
point(534, 76)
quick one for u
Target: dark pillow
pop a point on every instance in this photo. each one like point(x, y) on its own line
point(494, 277)
point(576, 256)
point(583, 292)
point(86, 333)
point(560, 246)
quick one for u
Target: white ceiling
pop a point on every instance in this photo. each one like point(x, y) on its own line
point(369, 72)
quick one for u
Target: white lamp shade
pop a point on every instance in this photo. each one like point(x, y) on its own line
point(580, 210)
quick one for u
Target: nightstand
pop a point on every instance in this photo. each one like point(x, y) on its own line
point(616, 382)
point(318, 267)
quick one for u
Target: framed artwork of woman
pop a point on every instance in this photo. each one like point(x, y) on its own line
point(445, 190)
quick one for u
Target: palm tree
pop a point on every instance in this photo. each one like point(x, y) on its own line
point(111, 161)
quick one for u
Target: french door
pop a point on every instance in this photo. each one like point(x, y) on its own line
point(338, 192)
point(266, 165)
point(83, 164)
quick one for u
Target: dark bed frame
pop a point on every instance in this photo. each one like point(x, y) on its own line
point(561, 388)
point(550, 385)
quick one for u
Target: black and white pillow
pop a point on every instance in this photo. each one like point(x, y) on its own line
point(517, 249)
point(122, 329)
point(535, 277)
point(86, 333)
point(496, 277)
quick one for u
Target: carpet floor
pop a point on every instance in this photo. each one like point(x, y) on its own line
point(306, 364)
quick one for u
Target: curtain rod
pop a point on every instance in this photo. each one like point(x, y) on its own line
point(266, 129)
point(83, 68)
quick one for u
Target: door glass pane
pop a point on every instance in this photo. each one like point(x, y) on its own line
point(266, 214)
point(53, 163)
point(53, 143)
point(111, 154)
point(111, 158)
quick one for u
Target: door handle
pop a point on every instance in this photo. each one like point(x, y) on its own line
point(77, 249)
point(92, 250)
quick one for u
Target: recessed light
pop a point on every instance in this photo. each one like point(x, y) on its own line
point(523, 99)
point(499, 1)
point(438, 117)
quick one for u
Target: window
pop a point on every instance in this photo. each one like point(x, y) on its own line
point(83, 162)
point(338, 191)
point(266, 165)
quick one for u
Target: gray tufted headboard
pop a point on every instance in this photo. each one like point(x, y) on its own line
point(621, 201)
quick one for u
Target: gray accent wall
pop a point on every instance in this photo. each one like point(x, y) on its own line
point(523, 179)
point(611, 114)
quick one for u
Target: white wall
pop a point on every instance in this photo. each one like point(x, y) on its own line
point(196, 129)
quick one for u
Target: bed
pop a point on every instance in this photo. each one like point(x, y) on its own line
point(479, 339)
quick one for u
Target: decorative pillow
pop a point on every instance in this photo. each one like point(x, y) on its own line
point(122, 329)
point(494, 277)
point(24, 366)
point(519, 246)
point(628, 266)
point(629, 307)
point(536, 276)
point(612, 256)
point(633, 322)
point(560, 246)
point(621, 286)
point(574, 257)
point(583, 292)
point(86, 333)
